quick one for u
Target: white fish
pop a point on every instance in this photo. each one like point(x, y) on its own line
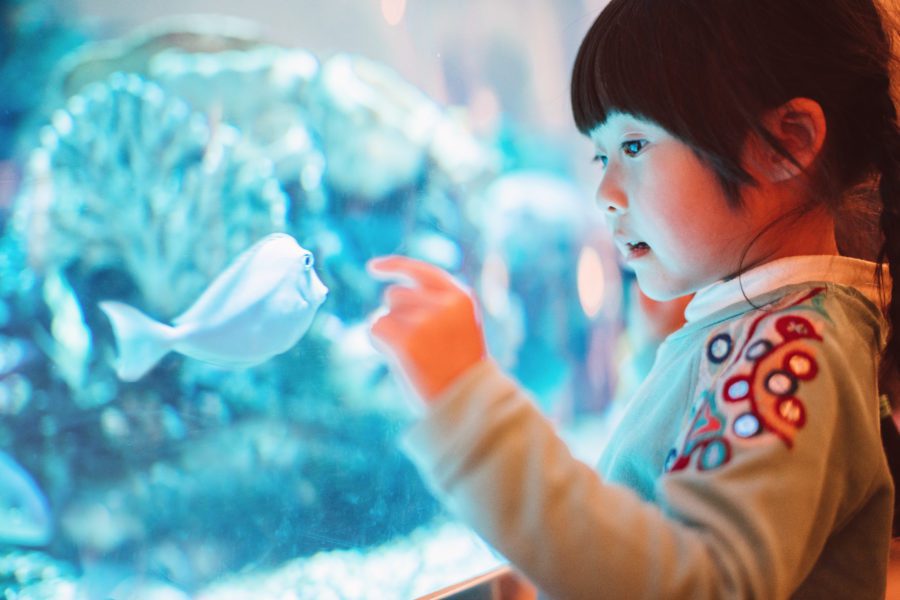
point(24, 514)
point(258, 307)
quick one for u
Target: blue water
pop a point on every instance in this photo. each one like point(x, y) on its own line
point(143, 169)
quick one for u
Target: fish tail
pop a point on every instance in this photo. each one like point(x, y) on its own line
point(142, 342)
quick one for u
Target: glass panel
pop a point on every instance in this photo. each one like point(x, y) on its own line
point(190, 405)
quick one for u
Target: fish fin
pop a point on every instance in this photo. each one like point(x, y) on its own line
point(142, 342)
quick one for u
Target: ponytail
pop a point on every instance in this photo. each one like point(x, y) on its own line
point(889, 372)
point(889, 188)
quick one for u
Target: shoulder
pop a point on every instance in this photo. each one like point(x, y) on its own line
point(776, 373)
point(828, 321)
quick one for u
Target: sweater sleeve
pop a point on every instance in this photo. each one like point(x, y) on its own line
point(745, 501)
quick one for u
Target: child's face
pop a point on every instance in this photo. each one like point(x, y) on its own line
point(669, 216)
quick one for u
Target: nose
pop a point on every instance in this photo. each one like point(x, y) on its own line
point(611, 197)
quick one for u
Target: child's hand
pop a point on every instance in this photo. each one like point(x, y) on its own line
point(431, 329)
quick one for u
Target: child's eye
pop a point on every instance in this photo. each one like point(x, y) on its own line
point(601, 158)
point(633, 147)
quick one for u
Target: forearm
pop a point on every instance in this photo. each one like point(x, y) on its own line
point(503, 470)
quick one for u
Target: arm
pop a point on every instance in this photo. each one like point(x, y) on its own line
point(747, 523)
point(566, 530)
point(750, 527)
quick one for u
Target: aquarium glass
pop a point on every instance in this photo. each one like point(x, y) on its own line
point(190, 403)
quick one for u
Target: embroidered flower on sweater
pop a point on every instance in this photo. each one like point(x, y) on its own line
point(754, 386)
point(706, 439)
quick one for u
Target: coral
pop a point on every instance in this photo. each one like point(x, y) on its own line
point(130, 178)
point(132, 52)
point(272, 121)
point(211, 62)
point(383, 133)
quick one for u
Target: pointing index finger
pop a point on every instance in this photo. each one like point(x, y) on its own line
point(400, 268)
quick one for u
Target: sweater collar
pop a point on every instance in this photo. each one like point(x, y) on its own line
point(768, 277)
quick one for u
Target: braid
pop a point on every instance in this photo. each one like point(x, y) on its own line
point(889, 188)
point(889, 374)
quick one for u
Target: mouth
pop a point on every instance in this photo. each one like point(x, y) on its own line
point(632, 250)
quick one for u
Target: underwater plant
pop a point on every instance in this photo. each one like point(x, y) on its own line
point(129, 178)
point(384, 133)
point(211, 62)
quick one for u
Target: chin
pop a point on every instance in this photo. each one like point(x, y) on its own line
point(663, 291)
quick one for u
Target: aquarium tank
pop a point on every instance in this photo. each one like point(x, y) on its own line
point(175, 420)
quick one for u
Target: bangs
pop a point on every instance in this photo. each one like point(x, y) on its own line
point(605, 75)
point(639, 58)
point(652, 59)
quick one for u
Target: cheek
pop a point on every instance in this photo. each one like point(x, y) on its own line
point(689, 209)
point(678, 228)
point(698, 239)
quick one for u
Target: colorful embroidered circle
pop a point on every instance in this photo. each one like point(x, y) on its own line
point(737, 388)
point(714, 454)
point(758, 349)
point(801, 365)
point(719, 348)
point(781, 383)
point(746, 426)
point(792, 327)
point(791, 411)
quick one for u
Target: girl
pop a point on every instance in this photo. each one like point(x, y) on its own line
point(730, 136)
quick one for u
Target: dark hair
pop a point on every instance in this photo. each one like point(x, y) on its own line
point(708, 70)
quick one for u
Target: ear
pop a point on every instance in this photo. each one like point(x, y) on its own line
point(800, 126)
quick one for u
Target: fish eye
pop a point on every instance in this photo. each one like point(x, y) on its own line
point(308, 261)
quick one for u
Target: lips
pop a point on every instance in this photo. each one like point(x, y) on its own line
point(630, 248)
point(628, 244)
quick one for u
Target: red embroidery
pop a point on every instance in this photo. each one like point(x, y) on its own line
point(711, 422)
point(705, 438)
point(774, 378)
point(763, 398)
point(810, 295)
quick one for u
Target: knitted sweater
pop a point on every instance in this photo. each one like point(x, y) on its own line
point(747, 465)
